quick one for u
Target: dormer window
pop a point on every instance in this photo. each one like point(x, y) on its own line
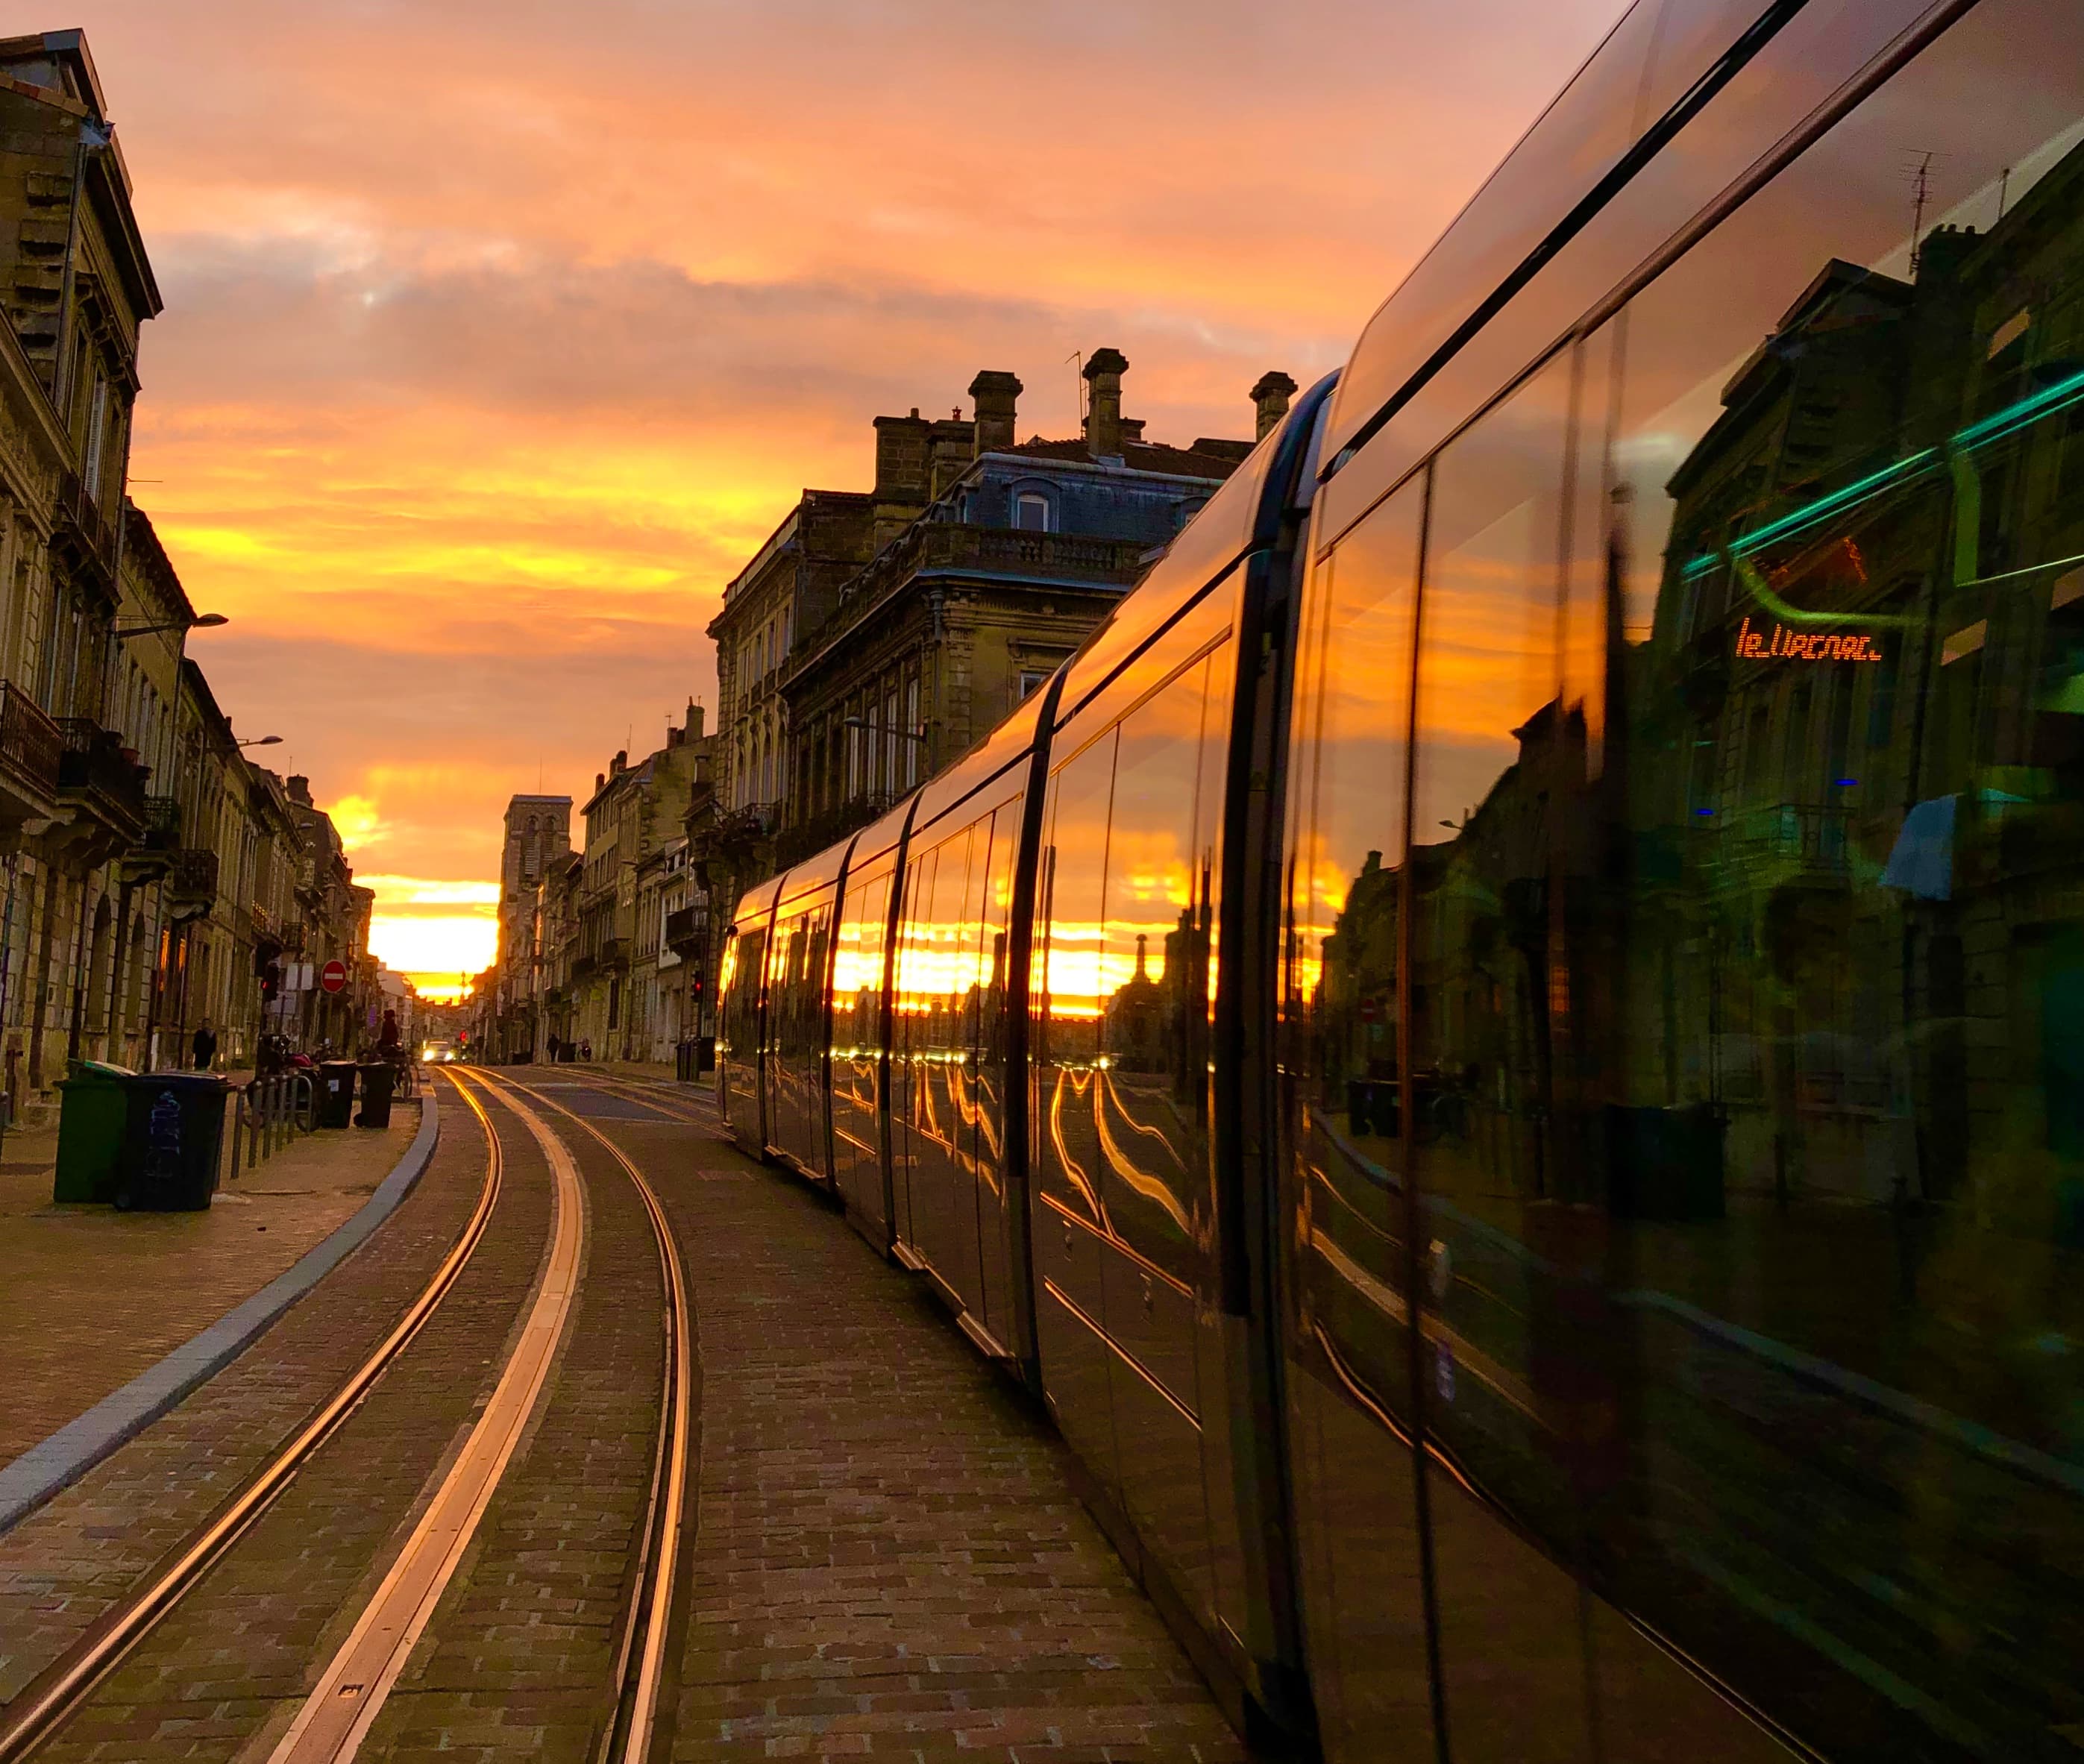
point(1031, 511)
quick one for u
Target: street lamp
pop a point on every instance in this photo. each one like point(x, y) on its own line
point(200, 621)
point(262, 740)
point(877, 728)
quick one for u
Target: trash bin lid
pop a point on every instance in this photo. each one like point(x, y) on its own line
point(93, 1072)
point(176, 1080)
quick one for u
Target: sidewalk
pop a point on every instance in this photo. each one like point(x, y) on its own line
point(95, 1296)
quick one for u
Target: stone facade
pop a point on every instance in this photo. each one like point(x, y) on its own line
point(150, 879)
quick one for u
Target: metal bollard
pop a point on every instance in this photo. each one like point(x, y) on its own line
point(252, 1122)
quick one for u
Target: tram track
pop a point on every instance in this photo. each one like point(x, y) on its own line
point(423, 1585)
point(647, 1626)
point(49, 1700)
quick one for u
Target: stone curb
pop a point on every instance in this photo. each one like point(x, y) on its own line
point(83, 1442)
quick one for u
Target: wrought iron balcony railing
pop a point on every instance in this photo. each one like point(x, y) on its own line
point(95, 769)
point(31, 744)
point(193, 876)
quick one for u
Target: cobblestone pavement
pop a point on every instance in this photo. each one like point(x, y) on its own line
point(888, 1559)
point(95, 1296)
point(228, 1667)
point(63, 1565)
point(520, 1658)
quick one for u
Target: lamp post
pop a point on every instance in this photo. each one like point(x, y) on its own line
point(200, 621)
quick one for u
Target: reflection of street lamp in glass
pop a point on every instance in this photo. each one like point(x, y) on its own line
point(200, 621)
point(262, 740)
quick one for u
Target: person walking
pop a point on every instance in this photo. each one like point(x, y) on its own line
point(204, 1046)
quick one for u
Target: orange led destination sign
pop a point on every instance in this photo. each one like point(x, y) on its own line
point(1797, 646)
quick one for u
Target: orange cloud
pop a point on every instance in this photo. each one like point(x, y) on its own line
point(495, 343)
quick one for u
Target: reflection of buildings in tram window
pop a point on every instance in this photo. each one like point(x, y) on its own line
point(1852, 874)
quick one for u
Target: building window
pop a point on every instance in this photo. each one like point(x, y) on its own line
point(911, 749)
point(1031, 678)
point(1031, 512)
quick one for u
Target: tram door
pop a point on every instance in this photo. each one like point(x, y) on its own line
point(738, 1055)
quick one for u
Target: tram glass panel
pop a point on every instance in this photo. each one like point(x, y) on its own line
point(1833, 965)
point(856, 1046)
point(941, 996)
point(1808, 59)
point(1068, 1208)
point(1149, 1100)
point(800, 1066)
point(911, 996)
point(737, 1057)
point(997, 1231)
point(1505, 1394)
point(1345, 1198)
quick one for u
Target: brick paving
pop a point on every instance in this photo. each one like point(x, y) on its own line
point(61, 1567)
point(227, 1668)
point(520, 1658)
point(95, 1296)
point(888, 1560)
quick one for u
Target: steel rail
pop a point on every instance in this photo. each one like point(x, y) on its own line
point(48, 1699)
point(666, 1103)
point(337, 1715)
point(641, 1659)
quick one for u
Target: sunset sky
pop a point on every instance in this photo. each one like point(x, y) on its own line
point(498, 334)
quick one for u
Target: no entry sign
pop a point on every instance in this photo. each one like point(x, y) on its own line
point(333, 977)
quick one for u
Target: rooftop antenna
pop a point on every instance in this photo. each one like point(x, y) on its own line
point(2004, 189)
point(1921, 193)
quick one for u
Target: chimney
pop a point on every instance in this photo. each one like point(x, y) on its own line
point(1103, 370)
point(996, 394)
point(1271, 397)
point(954, 446)
point(904, 473)
point(694, 721)
point(299, 789)
point(902, 466)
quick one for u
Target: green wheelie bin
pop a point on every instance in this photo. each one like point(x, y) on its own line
point(91, 1112)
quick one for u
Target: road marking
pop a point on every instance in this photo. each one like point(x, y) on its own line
point(337, 1715)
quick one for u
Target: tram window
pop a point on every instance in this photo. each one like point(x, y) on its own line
point(1150, 1100)
point(1070, 998)
point(1830, 994)
point(1352, 706)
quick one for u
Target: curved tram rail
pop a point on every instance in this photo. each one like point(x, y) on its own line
point(44, 1704)
point(640, 1658)
point(338, 1713)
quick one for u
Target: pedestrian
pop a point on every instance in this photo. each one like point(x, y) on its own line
point(585, 1049)
point(204, 1046)
point(554, 1044)
point(387, 1038)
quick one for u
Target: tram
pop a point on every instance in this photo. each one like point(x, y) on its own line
point(1504, 1046)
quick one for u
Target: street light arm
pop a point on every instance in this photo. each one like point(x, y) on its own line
point(201, 621)
point(877, 728)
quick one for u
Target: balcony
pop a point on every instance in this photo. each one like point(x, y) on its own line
point(1785, 842)
point(87, 524)
point(997, 551)
point(688, 931)
point(154, 854)
point(97, 776)
point(31, 747)
point(192, 882)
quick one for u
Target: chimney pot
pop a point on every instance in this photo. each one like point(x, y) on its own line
point(1103, 370)
point(996, 396)
point(1270, 396)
